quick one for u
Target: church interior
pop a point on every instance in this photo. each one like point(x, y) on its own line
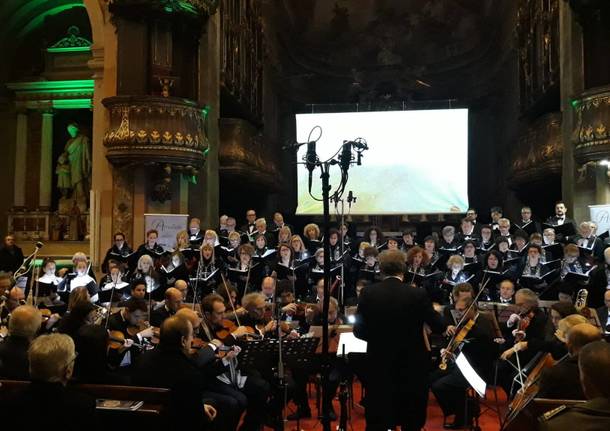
point(115, 111)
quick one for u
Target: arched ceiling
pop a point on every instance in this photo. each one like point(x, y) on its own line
point(28, 27)
point(413, 46)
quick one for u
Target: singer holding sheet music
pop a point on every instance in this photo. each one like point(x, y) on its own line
point(390, 317)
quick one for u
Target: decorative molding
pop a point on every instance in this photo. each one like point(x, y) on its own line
point(242, 50)
point(72, 42)
point(243, 155)
point(591, 134)
point(538, 151)
point(151, 130)
point(537, 35)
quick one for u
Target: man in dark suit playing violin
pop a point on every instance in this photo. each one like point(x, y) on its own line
point(390, 317)
point(449, 385)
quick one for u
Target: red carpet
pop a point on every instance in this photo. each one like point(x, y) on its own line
point(488, 421)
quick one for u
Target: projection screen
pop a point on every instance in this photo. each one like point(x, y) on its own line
point(417, 162)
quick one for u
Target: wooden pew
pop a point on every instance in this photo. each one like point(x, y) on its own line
point(150, 415)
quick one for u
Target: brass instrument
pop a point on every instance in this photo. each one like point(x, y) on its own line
point(581, 300)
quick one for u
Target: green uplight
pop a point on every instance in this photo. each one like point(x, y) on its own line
point(74, 85)
point(70, 49)
point(574, 103)
point(205, 111)
point(72, 104)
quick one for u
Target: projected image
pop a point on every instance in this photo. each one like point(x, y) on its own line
point(417, 162)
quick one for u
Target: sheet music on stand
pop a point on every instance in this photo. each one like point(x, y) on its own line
point(471, 376)
point(259, 353)
point(351, 344)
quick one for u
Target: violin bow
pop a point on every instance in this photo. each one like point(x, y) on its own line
point(224, 283)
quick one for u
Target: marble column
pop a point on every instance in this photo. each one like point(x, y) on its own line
point(204, 197)
point(571, 85)
point(46, 161)
point(21, 148)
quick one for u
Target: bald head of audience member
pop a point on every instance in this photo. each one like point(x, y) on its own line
point(182, 286)
point(16, 297)
point(594, 366)
point(52, 358)
point(580, 335)
point(25, 322)
point(176, 334)
point(173, 299)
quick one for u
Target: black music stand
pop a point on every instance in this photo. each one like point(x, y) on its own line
point(259, 353)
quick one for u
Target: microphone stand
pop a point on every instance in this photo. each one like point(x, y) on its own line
point(280, 360)
point(345, 158)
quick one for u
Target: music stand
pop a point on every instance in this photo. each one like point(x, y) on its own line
point(259, 353)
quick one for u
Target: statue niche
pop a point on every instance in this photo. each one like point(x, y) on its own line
point(73, 171)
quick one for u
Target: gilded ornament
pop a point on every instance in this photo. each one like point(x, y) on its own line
point(167, 137)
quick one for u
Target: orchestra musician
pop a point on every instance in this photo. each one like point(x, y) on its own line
point(169, 366)
point(599, 282)
point(449, 385)
point(251, 389)
point(395, 394)
point(172, 303)
point(528, 330)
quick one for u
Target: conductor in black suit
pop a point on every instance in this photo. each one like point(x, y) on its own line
point(390, 317)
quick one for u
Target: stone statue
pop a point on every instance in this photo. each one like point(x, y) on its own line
point(64, 184)
point(78, 156)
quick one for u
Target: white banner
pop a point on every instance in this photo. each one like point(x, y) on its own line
point(600, 214)
point(168, 225)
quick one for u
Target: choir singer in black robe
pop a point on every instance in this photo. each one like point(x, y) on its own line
point(390, 318)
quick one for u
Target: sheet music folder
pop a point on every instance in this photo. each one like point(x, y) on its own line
point(471, 376)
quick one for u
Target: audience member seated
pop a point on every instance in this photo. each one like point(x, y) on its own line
point(22, 328)
point(562, 381)
point(47, 402)
point(594, 415)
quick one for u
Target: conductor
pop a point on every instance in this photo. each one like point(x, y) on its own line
point(390, 317)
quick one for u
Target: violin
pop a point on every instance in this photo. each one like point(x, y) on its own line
point(457, 340)
point(524, 323)
point(116, 341)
